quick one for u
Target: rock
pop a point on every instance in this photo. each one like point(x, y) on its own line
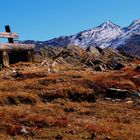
point(136, 104)
point(129, 102)
point(117, 100)
point(114, 64)
point(16, 74)
point(107, 98)
point(137, 69)
point(137, 78)
point(99, 49)
point(97, 62)
point(99, 68)
point(119, 94)
point(107, 138)
point(119, 66)
point(59, 137)
point(24, 130)
point(93, 135)
point(104, 66)
point(72, 132)
point(93, 50)
point(115, 93)
point(69, 109)
point(135, 94)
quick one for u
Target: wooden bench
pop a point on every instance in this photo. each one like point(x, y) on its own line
point(7, 48)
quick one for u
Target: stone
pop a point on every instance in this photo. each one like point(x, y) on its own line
point(24, 130)
point(135, 94)
point(97, 62)
point(114, 64)
point(69, 109)
point(107, 138)
point(137, 78)
point(107, 98)
point(119, 66)
point(129, 102)
point(93, 50)
point(99, 68)
point(93, 135)
point(115, 93)
point(59, 137)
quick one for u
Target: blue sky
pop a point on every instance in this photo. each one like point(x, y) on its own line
point(46, 19)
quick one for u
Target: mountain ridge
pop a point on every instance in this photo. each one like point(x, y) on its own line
point(105, 35)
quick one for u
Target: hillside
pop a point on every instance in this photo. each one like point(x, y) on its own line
point(71, 102)
point(96, 58)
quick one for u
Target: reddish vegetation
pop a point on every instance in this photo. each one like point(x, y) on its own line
point(62, 104)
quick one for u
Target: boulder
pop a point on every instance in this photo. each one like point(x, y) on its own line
point(119, 66)
point(97, 62)
point(114, 64)
point(93, 50)
point(99, 68)
point(135, 94)
point(99, 49)
point(59, 137)
point(115, 93)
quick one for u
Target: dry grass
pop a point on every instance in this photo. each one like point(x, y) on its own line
point(64, 104)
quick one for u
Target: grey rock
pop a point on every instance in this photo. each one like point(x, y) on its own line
point(99, 68)
point(135, 94)
point(115, 93)
point(119, 66)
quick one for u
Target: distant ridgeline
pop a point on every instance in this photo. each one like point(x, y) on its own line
point(103, 36)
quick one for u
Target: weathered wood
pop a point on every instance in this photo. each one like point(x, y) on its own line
point(5, 59)
point(10, 47)
point(8, 35)
point(16, 47)
point(30, 56)
point(7, 29)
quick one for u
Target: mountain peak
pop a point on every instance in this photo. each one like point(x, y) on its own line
point(134, 24)
point(109, 24)
point(136, 21)
point(107, 34)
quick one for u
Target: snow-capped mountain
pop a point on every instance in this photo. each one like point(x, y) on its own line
point(105, 35)
point(129, 32)
point(101, 36)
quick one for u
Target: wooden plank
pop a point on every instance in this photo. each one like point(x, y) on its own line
point(30, 56)
point(16, 47)
point(5, 59)
point(8, 35)
point(7, 29)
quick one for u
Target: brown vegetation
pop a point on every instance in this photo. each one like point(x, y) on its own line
point(68, 104)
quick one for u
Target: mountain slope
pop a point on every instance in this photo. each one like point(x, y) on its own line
point(131, 46)
point(100, 36)
point(129, 32)
point(105, 35)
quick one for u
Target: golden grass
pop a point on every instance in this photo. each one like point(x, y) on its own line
point(22, 104)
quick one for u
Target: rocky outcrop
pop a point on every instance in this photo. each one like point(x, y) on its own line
point(121, 94)
point(114, 93)
point(104, 36)
point(98, 59)
point(99, 68)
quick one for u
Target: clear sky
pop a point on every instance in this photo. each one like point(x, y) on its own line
point(46, 19)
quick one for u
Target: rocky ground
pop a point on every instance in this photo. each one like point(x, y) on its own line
point(74, 102)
